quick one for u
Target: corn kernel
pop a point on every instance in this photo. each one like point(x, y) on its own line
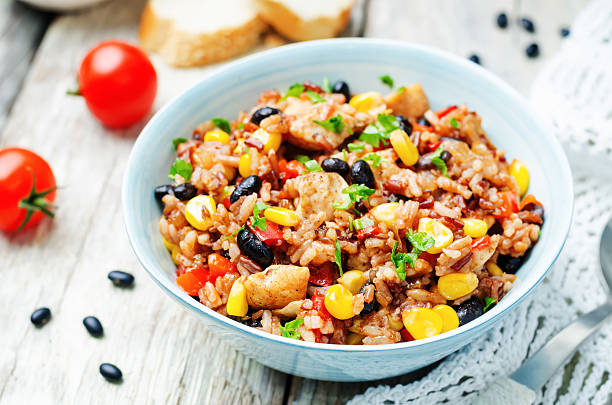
point(364, 102)
point(353, 280)
point(270, 140)
point(456, 285)
point(354, 339)
point(441, 234)
point(175, 251)
point(474, 227)
point(519, 171)
point(237, 301)
point(199, 211)
point(494, 269)
point(385, 213)
point(395, 324)
point(450, 320)
point(404, 147)
point(217, 135)
point(282, 216)
point(339, 302)
point(422, 323)
point(168, 245)
point(244, 165)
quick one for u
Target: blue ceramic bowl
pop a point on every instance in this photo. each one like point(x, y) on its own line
point(507, 118)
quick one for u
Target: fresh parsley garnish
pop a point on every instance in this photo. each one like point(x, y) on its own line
point(374, 158)
point(338, 257)
point(379, 131)
point(334, 124)
point(355, 147)
point(356, 193)
point(256, 219)
point(289, 330)
point(313, 166)
point(302, 158)
point(362, 223)
point(488, 302)
point(177, 141)
point(314, 97)
point(182, 168)
point(233, 234)
point(387, 80)
point(400, 89)
point(294, 91)
point(344, 155)
point(222, 124)
point(326, 86)
point(437, 161)
point(454, 123)
point(420, 242)
point(241, 126)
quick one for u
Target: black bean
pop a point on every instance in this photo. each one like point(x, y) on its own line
point(361, 207)
point(367, 306)
point(424, 163)
point(564, 32)
point(469, 310)
point(536, 209)
point(405, 125)
point(509, 264)
point(248, 186)
point(121, 278)
point(397, 198)
point(111, 372)
point(41, 316)
point(445, 155)
point(93, 326)
point(252, 247)
point(160, 191)
point(474, 58)
point(502, 20)
point(527, 24)
point(335, 165)
point(424, 121)
point(495, 229)
point(263, 113)
point(185, 191)
point(254, 323)
point(361, 173)
point(533, 50)
point(342, 87)
point(225, 253)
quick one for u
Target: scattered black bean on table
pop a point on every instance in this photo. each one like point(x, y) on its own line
point(121, 278)
point(533, 50)
point(564, 32)
point(527, 24)
point(502, 20)
point(40, 316)
point(474, 58)
point(111, 372)
point(93, 326)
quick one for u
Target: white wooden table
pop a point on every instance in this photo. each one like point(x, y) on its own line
point(165, 354)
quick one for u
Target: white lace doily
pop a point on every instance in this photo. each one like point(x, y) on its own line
point(573, 92)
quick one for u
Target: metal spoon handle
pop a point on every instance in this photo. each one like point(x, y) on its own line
point(536, 371)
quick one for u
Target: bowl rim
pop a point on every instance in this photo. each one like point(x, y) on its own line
point(484, 322)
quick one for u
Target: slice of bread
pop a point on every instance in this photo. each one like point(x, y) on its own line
point(302, 20)
point(196, 32)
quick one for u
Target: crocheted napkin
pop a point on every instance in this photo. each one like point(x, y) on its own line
point(574, 93)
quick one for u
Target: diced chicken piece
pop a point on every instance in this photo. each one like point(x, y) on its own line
point(277, 286)
point(411, 102)
point(318, 192)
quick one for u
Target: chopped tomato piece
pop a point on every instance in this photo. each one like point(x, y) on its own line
point(433, 146)
point(192, 281)
point(291, 169)
point(445, 111)
point(509, 204)
point(421, 128)
point(272, 236)
point(406, 336)
point(322, 275)
point(481, 242)
point(368, 232)
point(318, 304)
point(218, 266)
point(529, 199)
point(318, 334)
point(226, 202)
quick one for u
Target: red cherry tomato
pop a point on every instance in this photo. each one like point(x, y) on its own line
point(27, 187)
point(118, 82)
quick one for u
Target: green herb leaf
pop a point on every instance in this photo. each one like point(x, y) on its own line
point(399, 261)
point(454, 123)
point(387, 122)
point(294, 91)
point(488, 302)
point(438, 162)
point(302, 158)
point(338, 257)
point(379, 131)
point(314, 97)
point(241, 126)
point(362, 223)
point(387, 80)
point(356, 193)
point(289, 330)
point(222, 124)
point(256, 219)
point(313, 166)
point(420, 241)
point(355, 147)
point(182, 168)
point(374, 158)
point(177, 141)
point(400, 89)
point(344, 155)
point(233, 234)
point(334, 124)
point(326, 86)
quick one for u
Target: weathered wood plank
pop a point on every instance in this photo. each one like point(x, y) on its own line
point(21, 29)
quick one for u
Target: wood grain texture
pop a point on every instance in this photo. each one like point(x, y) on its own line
point(165, 355)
